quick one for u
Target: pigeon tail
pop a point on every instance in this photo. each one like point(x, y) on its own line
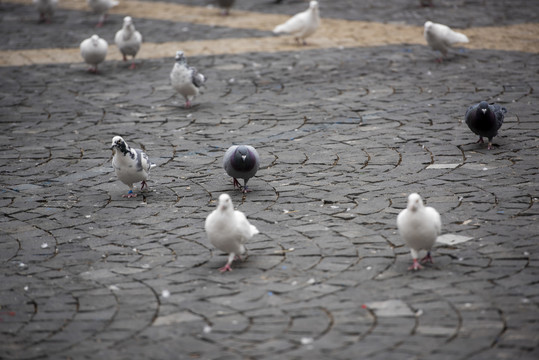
point(457, 37)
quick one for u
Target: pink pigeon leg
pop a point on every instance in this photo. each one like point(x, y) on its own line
point(427, 258)
point(227, 267)
point(480, 141)
point(415, 265)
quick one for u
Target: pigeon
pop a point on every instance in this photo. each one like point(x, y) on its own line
point(419, 226)
point(186, 79)
point(301, 25)
point(228, 229)
point(93, 50)
point(128, 40)
point(130, 165)
point(440, 37)
point(241, 161)
point(485, 120)
point(226, 5)
point(425, 3)
point(101, 7)
point(46, 9)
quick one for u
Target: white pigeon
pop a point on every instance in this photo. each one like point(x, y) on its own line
point(440, 37)
point(301, 25)
point(419, 226)
point(185, 79)
point(46, 9)
point(101, 7)
point(228, 229)
point(93, 50)
point(130, 165)
point(128, 40)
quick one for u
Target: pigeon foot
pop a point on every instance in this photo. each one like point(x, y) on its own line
point(415, 266)
point(236, 183)
point(427, 259)
point(225, 268)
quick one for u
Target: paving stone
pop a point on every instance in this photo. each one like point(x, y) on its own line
point(344, 134)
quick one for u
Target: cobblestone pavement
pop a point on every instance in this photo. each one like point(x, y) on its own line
point(344, 136)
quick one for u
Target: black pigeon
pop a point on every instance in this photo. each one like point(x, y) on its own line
point(485, 120)
point(226, 5)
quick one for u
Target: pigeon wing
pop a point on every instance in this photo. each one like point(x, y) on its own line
point(434, 216)
point(197, 78)
point(500, 112)
point(246, 230)
point(293, 25)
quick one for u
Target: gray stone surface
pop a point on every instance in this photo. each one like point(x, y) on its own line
point(344, 136)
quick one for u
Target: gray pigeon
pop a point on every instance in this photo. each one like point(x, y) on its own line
point(225, 5)
point(131, 165)
point(241, 161)
point(485, 120)
point(185, 79)
point(228, 230)
point(46, 9)
point(419, 226)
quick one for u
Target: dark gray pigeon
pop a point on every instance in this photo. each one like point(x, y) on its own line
point(225, 5)
point(241, 161)
point(485, 120)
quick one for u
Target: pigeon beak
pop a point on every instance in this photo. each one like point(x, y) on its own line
point(484, 111)
point(243, 157)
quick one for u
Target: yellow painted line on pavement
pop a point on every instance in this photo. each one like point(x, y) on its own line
point(333, 33)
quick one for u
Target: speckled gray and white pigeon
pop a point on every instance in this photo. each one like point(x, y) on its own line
point(485, 120)
point(241, 162)
point(130, 165)
point(46, 9)
point(186, 80)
